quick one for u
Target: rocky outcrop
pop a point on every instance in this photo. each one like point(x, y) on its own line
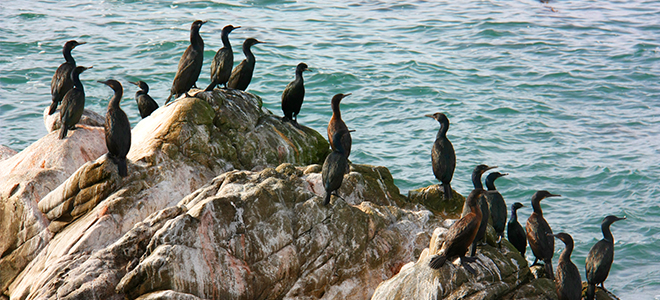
point(6, 152)
point(88, 118)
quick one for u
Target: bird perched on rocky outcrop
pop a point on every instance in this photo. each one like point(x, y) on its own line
point(223, 61)
point(117, 129)
point(515, 232)
point(146, 104)
point(73, 103)
point(190, 64)
point(461, 234)
point(568, 282)
point(333, 171)
point(443, 157)
point(483, 205)
point(600, 257)
point(62, 82)
point(337, 125)
point(242, 75)
point(496, 205)
point(539, 233)
point(293, 95)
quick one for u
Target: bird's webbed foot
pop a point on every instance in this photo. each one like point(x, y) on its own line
point(464, 263)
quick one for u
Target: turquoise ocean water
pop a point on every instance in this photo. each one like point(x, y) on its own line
point(563, 96)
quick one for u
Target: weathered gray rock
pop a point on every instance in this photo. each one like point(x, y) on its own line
point(175, 151)
point(89, 118)
point(25, 179)
point(6, 152)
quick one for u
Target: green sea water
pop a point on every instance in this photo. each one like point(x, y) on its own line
point(563, 96)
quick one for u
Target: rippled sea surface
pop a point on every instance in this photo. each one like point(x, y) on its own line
point(563, 96)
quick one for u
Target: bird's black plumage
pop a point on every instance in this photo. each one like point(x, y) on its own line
point(337, 125)
point(62, 82)
point(117, 128)
point(568, 282)
point(496, 205)
point(190, 64)
point(443, 157)
point(73, 103)
point(461, 234)
point(483, 204)
point(223, 60)
point(146, 104)
point(539, 233)
point(242, 75)
point(600, 257)
point(515, 233)
point(333, 171)
point(293, 95)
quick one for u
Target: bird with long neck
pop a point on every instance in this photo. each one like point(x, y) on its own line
point(515, 232)
point(117, 129)
point(333, 171)
point(568, 282)
point(443, 157)
point(483, 204)
point(600, 257)
point(223, 61)
point(190, 64)
point(73, 103)
point(241, 76)
point(62, 81)
point(337, 125)
point(146, 104)
point(460, 235)
point(496, 205)
point(294, 95)
point(538, 231)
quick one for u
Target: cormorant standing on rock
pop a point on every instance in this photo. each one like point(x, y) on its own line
point(600, 257)
point(145, 103)
point(496, 205)
point(73, 103)
point(336, 125)
point(483, 204)
point(476, 182)
point(461, 234)
point(190, 64)
point(333, 171)
point(223, 60)
point(117, 129)
point(242, 75)
point(568, 282)
point(62, 82)
point(293, 95)
point(443, 157)
point(538, 233)
point(515, 232)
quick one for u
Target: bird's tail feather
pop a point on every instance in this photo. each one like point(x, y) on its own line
point(548, 269)
point(63, 132)
point(447, 190)
point(591, 291)
point(210, 87)
point(437, 262)
point(327, 198)
point(122, 167)
point(53, 108)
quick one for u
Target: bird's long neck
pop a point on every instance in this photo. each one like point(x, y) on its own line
point(566, 254)
point(116, 98)
point(607, 234)
point(476, 210)
point(490, 184)
point(299, 74)
point(67, 55)
point(514, 214)
point(476, 180)
point(442, 133)
point(196, 40)
point(75, 76)
point(248, 53)
point(336, 114)
point(536, 205)
point(225, 40)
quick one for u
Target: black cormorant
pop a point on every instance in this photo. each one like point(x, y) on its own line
point(293, 95)
point(242, 75)
point(61, 82)
point(496, 205)
point(443, 157)
point(190, 64)
point(600, 257)
point(73, 103)
point(336, 125)
point(515, 232)
point(460, 235)
point(223, 60)
point(145, 103)
point(568, 282)
point(334, 168)
point(538, 233)
point(117, 129)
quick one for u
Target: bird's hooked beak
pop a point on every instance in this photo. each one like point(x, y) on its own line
point(346, 95)
point(553, 195)
point(430, 116)
point(101, 81)
point(619, 219)
point(133, 82)
point(490, 168)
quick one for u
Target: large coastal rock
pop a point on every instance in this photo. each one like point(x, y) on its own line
point(89, 118)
